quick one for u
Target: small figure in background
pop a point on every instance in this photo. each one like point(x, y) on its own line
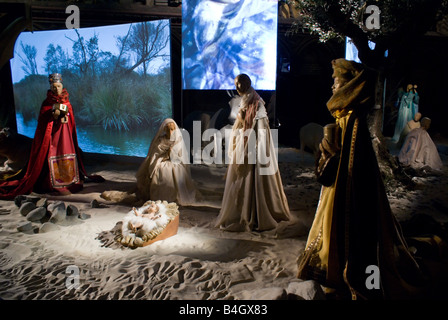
point(419, 151)
point(407, 109)
point(311, 135)
point(15, 151)
point(412, 124)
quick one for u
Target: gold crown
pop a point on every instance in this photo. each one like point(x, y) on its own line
point(55, 77)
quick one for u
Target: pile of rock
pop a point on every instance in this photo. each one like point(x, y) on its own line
point(48, 215)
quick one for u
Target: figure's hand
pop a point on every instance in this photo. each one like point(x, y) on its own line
point(166, 156)
point(328, 150)
point(56, 113)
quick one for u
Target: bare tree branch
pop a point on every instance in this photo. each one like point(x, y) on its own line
point(29, 61)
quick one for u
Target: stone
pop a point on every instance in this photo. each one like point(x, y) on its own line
point(36, 214)
point(84, 216)
point(43, 202)
point(72, 210)
point(33, 199)
point(58, 211)
point(95, 203)
point(25, 226)
point(275, 293)
point(26, 208)
point(18, 200)
point(308, 290)
point(51, 206)
point(48, 227)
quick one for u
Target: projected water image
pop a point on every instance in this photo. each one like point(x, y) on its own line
point(95, 139)
point(223, 38)
point(118, 79)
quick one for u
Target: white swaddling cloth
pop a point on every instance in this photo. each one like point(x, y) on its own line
point(144, 223)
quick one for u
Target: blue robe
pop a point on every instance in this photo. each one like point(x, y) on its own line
point(406, 112)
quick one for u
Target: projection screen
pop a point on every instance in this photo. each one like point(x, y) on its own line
point(223, 38)
point(118, 78)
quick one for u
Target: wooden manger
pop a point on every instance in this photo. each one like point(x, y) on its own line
point(154, 221)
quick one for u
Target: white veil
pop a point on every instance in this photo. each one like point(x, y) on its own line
point(156, 154)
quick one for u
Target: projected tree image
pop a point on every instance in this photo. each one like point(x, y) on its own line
point(221, 39)
point(118, 78)
point(28, 59)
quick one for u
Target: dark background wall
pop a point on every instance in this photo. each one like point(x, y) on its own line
point(302, 91)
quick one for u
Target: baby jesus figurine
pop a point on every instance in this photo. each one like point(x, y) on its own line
point(149, 212)
point(152, 212)
point(150, 223)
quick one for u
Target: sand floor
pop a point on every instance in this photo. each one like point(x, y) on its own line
point(199, 262)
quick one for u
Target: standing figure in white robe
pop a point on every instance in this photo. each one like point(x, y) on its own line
point(419, 151)
point(165, 173)
point(253, 198)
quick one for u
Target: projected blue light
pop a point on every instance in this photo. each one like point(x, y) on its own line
point(223, 38)
point(351, 52)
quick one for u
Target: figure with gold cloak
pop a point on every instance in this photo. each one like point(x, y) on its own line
point(253, 198)
point(354, 228)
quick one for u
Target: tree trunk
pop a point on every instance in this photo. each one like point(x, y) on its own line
point(391, 170)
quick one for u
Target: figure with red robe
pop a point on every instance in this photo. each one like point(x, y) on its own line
point(55, 164)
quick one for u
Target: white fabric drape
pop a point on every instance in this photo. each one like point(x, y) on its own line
point(165, 173)
point(253, 198)
point(419, 151)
